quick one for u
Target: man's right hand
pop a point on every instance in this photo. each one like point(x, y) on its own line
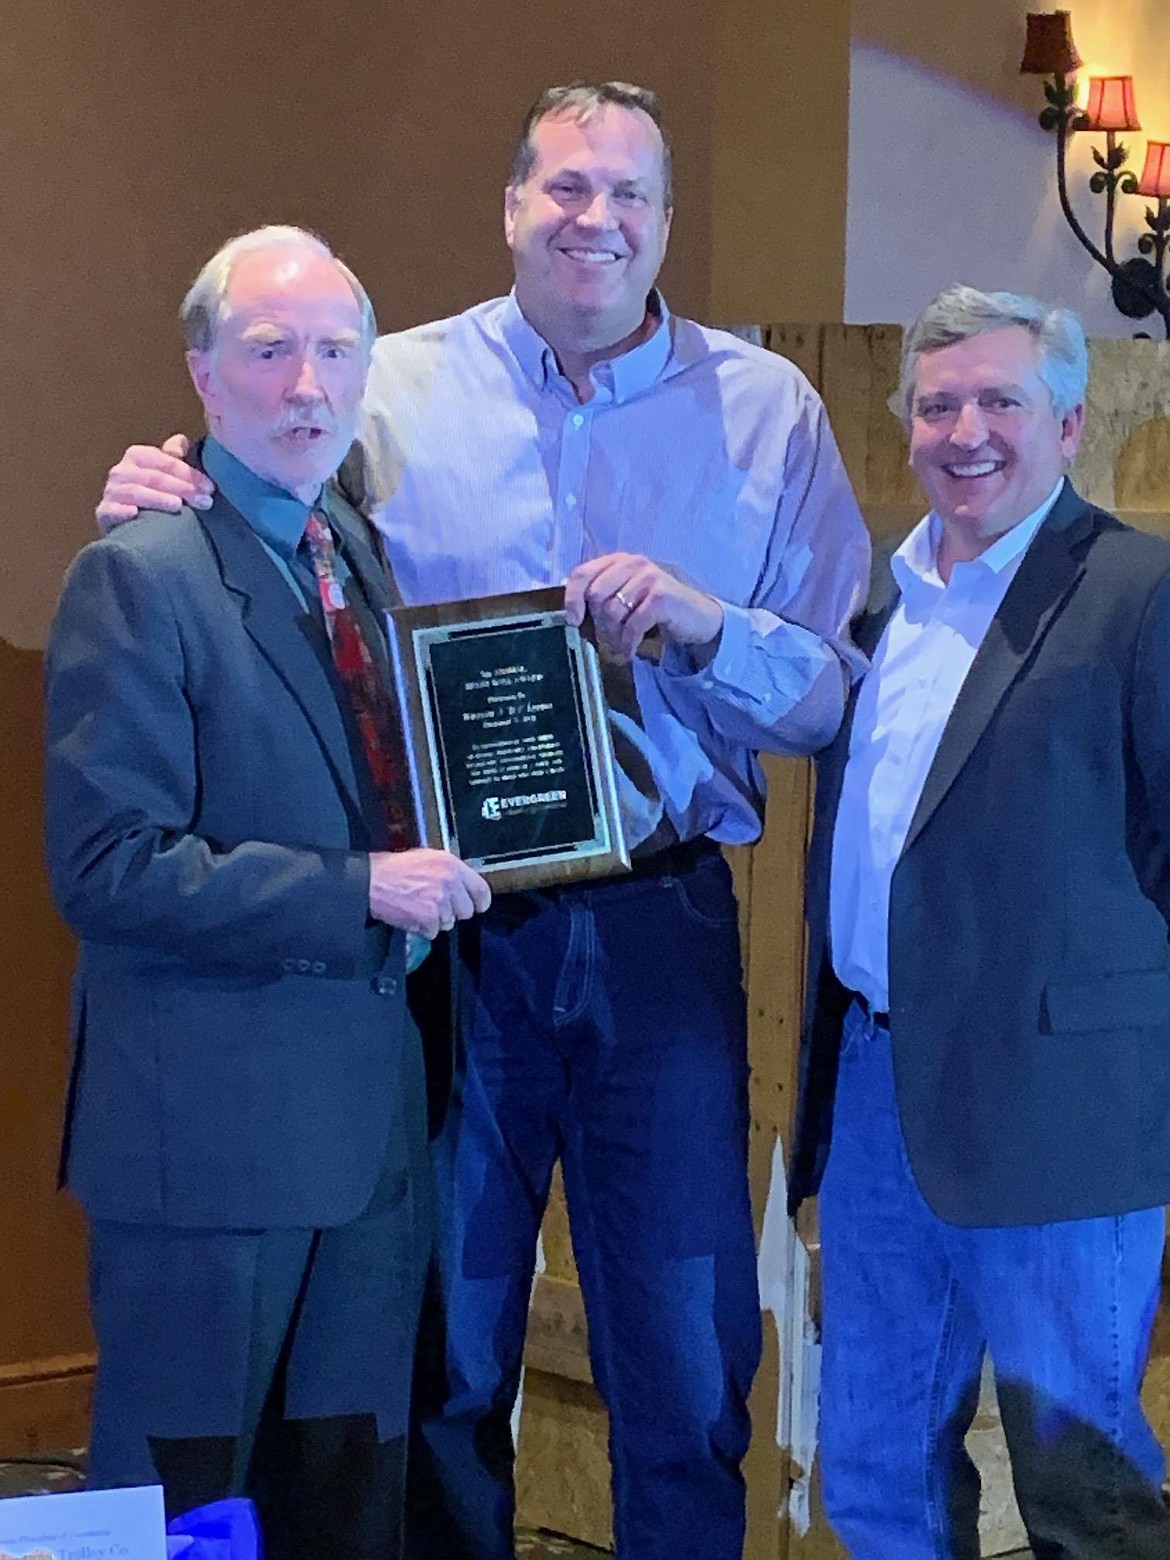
point(424, 891)
point(150, 478)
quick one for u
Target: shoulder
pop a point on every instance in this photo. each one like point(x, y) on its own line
point(1124, 554)
point(152, 542)
point(739, 361)
point(421, 344)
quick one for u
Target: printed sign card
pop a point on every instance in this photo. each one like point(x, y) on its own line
point(85, 1525)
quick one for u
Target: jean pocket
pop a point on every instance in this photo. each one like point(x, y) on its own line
point(706, 895)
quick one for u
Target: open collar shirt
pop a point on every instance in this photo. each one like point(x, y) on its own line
point(903, 705)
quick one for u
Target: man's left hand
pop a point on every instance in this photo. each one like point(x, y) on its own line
point(627, 596)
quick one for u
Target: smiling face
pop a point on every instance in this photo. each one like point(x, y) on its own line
point(588, 227)
point(282, 383)
point(985, 441)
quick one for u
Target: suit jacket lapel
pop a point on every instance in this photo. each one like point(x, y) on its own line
point(1050, 569)
point(285, 638)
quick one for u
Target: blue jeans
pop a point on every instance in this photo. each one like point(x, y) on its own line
point(911, 1305)
point(607, 1027)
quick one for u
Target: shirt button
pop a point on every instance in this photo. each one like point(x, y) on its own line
point(570, 500)
point(578, 420)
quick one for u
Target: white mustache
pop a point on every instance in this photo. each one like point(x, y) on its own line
point(322, 419)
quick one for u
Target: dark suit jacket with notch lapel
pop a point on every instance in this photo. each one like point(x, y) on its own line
point(238, 1020)
point(1029, 966)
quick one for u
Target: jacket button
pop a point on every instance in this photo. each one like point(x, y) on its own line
point(303, 966)
point(386, 985)
point(288, 964)
point(318, 966)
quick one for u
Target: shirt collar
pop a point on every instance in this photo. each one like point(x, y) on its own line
point(628, 374)
point(273, 513)
point(914, 563)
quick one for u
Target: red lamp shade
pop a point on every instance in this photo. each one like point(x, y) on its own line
point(1155, 179)
point(1111, 105)
point(1049, 49)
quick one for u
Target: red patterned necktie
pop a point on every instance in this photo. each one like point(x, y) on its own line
point(372, 708)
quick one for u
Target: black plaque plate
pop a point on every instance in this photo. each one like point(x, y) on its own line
point(512, 765)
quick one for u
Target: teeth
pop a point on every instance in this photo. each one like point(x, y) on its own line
point(982, 468)
point(591, 256)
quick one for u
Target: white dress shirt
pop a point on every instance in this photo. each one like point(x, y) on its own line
point(904, 702)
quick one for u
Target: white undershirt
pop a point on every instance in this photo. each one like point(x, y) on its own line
point(920, 664)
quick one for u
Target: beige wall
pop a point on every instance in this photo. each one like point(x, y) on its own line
point(138, 134)
point(780, 144)
point(950, 176)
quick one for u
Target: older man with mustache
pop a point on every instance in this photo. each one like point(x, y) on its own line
point(226, 832)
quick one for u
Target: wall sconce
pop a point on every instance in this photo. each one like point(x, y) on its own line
point(1138, 284)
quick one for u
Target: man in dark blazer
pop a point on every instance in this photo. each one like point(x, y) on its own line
point(225, 831)
point(987, 1041)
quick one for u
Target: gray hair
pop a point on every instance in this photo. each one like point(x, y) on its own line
point(962, 312)
point(581, 100)
point(202, 310)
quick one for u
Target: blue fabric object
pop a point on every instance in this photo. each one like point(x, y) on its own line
point(607, 1024)
point(912, 1304)
point(224, 1530)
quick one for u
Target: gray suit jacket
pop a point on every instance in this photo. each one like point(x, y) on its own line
point(238, 1018)
point(1029, 965)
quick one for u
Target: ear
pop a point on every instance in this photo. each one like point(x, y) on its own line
point(511, 204)
point(1072, 426)
point(199, 367)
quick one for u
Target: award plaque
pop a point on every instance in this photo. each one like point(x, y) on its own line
point(508, 738)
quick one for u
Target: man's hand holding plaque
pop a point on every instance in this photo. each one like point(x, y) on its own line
point(424, 891)
point(628, 597)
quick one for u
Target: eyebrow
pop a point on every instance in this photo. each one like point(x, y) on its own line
point(264, 332)
point(951, 395)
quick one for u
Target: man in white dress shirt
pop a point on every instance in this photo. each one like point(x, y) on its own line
point(988, 1033)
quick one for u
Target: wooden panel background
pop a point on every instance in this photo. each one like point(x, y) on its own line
point(562, 1467)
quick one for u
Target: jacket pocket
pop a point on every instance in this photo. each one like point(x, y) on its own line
point(1127, 999)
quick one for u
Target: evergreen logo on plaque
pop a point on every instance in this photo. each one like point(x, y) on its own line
point(508, 738)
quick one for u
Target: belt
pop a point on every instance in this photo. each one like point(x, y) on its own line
point(672, 859)
point(878, 1020)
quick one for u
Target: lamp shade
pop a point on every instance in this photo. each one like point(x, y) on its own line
point(1049, 49)
point(1111, 105)
point(1155, 179)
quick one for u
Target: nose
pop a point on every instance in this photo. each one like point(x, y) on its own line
point(970, 429)
point(307, 386)
point(597, 214)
